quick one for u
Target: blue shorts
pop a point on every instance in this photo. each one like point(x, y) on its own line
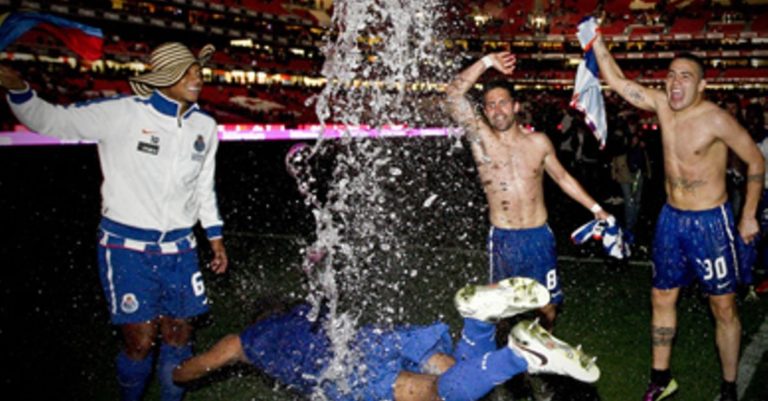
point(387, 353)
point(141, 282)
point(528, 252)
point(295, 351)
point(696, 244)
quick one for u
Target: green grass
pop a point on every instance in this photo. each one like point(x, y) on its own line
point(606, 309)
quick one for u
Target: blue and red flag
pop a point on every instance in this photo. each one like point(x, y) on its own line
point(82, 39)
point(587, 96)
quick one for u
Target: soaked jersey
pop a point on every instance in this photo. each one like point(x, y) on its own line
point(295, 351)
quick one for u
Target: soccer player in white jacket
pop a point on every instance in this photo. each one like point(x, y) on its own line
point(157, 152)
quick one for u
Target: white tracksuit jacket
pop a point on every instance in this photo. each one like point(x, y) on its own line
point(158, 166)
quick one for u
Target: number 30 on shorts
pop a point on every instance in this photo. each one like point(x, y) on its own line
point(714, 270)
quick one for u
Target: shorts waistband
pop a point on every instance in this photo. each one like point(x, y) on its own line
point(142, 234)
point(110, 240)
point(544, 226)
point(716, 209)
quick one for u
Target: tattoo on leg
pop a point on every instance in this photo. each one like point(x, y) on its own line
point(755, 178)
point(662, 336)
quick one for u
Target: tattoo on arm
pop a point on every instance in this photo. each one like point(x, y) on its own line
point(755, 178)
point(460, 84)
point(632, 94)
point(662, 336)
point(684, 183)
point(472, 135)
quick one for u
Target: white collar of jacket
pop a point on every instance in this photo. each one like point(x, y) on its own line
point(167, 106)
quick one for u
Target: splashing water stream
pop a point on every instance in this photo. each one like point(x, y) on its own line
point(376, 52)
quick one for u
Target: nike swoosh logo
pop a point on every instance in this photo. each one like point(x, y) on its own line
point(541, 357)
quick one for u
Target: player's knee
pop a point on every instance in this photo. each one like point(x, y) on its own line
point(176, 332)
point(725, 312)
point(663, 299)
point(138, 348)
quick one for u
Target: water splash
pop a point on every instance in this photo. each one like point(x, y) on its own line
point(377, 53)
point(378, 50)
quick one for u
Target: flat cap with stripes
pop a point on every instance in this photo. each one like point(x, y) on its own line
point(168, 62)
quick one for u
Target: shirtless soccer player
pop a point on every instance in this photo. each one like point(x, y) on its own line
point(695, 234)
point(511, 162)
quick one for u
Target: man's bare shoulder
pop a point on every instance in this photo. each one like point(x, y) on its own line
point(538, 138)
point(707, 107)
point(704, 112)
point(713, 115)
point(533, 135)
point(708, 120)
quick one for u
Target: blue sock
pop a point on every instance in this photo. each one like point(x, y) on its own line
point(477, 338)
point(472, 379)
point(132, 376)
point(170, 358)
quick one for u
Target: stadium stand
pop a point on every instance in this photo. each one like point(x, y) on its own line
point(268, 51)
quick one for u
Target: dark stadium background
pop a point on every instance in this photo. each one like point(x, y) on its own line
point(54, 335)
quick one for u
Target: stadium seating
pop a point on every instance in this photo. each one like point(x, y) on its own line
point(639, 30)
point(614, 27)
point(688, 25)
point(727, 28)
point(760, 23)
point(286, 35)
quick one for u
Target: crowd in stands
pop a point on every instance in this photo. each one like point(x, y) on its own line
point(63, 83)
point(290, 58)
point(287, 102)
point(558, 17)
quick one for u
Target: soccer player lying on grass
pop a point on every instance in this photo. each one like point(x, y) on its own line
point(407, 363)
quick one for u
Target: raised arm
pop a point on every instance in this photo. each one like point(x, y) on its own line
point(636, 94)
point(87, 120)
point(460, 107)
point(11, 80)
point(590, 39)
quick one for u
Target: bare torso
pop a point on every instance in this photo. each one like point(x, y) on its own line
point(694, 158)
point(512, 179)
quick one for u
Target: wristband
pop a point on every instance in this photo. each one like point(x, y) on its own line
point(487, 61)
point(596, 208)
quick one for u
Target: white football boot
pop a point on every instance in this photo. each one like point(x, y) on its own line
point(547, 354)
point(505, 298)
